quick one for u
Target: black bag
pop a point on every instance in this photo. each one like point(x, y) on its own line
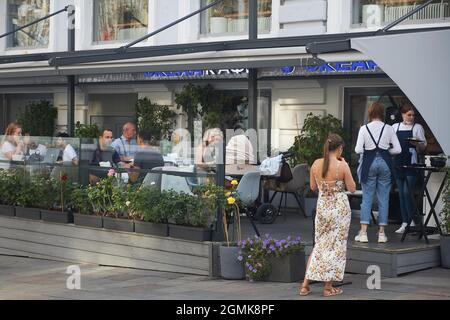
point(35, 157)
point(285, 173)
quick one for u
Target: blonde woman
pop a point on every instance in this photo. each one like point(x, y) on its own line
point(207, 152)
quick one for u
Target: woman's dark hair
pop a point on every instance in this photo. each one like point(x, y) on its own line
point(145, 136)
point(376, 111)
point(333, 142)
point(406, 108)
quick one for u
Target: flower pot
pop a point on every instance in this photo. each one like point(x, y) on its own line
point(290, 268)
point(230, 267)
point(7, 211)
point(28, 213)
point(190, 233)
point(57, 216)
point(118, 224)
point(310, 206)
point(88, 220)
point(154, 229)
point(445, 251)
point(219, 24)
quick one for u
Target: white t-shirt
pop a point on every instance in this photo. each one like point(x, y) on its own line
point(418, 132)
point(389, 136)
point(6, 147)
point(239, 150)
point(69, 154)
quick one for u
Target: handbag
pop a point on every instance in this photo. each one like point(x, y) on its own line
point(285, 173)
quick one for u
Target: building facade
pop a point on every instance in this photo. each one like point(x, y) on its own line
point(343, 86)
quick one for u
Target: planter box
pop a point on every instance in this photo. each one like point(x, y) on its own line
point(190, 233)
point(7, 211)
point(290, 268)
point(28, 213)
point(57, 216)
point(154, 229)
point(445, 251)
point(87, 220)
point(118, 224)
point(230, 267)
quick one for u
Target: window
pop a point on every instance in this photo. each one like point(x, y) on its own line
point(22, 12)
point(116, 20)
point(231, 16)
point(374, 13)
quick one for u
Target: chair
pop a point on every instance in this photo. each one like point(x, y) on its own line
point(248, 192)
point(295, 186)
point(248, 187)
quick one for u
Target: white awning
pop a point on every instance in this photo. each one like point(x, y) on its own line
point(253, 58)
point(419, 63)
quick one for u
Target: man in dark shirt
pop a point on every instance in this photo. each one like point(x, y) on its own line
point(103, 153)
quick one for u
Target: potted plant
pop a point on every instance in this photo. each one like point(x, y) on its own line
point(116, 203)
point(31, 195)
point(83, 209)
point(445, 223)
point(189, 216)
point(57, 207)
point(226, 200)
point(308, 147)
point(273, 260)
point(218, 21)
point(155, 118)
point(149, 217)
point(38, 119)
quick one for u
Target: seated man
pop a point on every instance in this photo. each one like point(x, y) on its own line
point(67, 155)
point(104, 154)
point(239, 149)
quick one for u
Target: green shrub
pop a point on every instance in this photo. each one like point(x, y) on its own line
point(38, 119)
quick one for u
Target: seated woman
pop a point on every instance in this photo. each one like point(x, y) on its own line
point(11, 145)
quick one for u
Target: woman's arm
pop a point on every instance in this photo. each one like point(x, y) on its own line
point(396, 147)
point(359, 148)
point(312, 177)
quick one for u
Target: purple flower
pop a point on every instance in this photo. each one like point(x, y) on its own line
point(299, 238)
point(272, 248)
point(254, 270)
point(240, 258)
point(289, 238)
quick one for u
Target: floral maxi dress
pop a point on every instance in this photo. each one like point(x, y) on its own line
point(332, 223)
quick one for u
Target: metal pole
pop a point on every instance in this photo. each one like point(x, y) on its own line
point(71, 79)
point(253, 19)
point(253, 99)
point(218, 233)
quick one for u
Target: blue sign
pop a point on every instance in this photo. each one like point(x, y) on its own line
point(343, 66)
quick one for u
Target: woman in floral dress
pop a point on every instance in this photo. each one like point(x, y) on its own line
point(331, 175)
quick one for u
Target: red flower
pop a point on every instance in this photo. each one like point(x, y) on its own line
point(64, 178)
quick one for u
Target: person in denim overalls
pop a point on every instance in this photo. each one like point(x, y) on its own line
point(406, 178)
point(376, 142)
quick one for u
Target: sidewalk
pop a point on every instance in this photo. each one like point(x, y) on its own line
point(23, 278)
